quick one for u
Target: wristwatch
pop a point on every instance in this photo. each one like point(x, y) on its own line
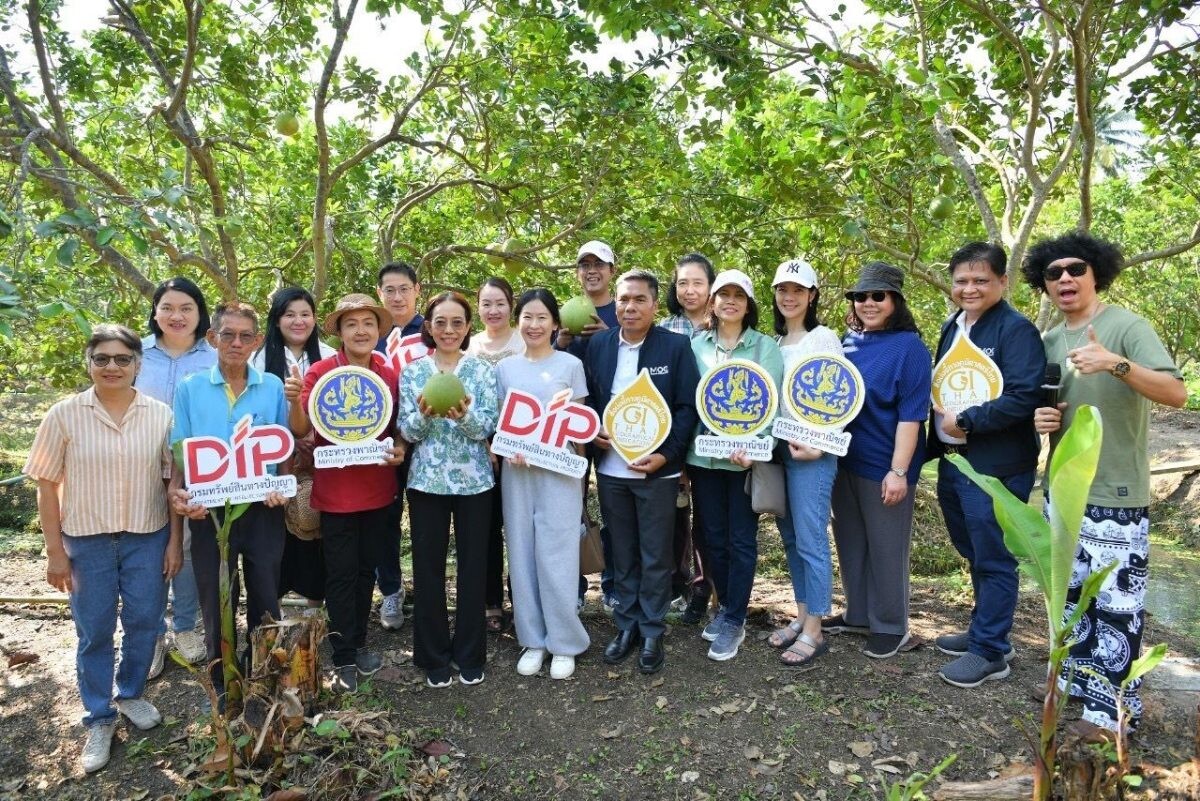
point(963, 422)
point(900, 471)
point(1121, 368)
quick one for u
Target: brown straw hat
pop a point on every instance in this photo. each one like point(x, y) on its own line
point(356, 302)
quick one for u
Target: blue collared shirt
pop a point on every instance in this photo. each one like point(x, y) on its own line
point(202, 406)
point(161, 372)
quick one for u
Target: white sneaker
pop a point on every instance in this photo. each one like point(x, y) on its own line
point(531, 661)
point(156, 662)
point(391, 611)
point(191, 646)
point(141, 713)
point(561, 667)
point(98, 746)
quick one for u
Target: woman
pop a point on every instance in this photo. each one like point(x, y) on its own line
point(101, 461)
point(809, 471)
point(498, 340)
point(687, 301)
point(543, 507)
point(292, 342)
point(354, 500)
point(726, 520)
point(873, 492)
point(449, 477)
point(175, 349)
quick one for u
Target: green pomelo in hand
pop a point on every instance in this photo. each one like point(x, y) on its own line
point(576, 313)
point(443, 391)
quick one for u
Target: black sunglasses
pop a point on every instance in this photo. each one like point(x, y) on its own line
point(879, 296)
point(103, 359)
point(1075, 269)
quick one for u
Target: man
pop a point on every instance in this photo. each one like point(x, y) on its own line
point(637, 500)
point(998, 439)
point(354, 501)
point(1111, 359)
point(594, 267)
point(210, 403)
point(398, 290)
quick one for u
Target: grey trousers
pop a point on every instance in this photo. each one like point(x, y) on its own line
point(542, 515)
point(640, 515)
point(873, 544)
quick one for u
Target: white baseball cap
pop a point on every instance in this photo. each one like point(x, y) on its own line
point(735, 277)
point(599, 249)
point(796, 271)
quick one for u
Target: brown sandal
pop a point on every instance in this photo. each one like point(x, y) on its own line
point(783, 637)
point(819, 649)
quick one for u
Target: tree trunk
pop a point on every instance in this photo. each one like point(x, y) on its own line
point(284, 682)
point(1012, 788)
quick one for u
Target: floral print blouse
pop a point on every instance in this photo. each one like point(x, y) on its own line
point(450, 457)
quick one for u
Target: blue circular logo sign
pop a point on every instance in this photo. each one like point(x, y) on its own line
point(824, 391)
point(737, 398)
point(349, 405)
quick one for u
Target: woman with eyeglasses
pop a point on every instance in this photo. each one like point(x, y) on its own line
point(874, 490)
point(176, 348)
point(101, 461)
point(450, 478)
point(292, 344)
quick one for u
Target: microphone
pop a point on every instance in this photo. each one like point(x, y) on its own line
point(1051, 384)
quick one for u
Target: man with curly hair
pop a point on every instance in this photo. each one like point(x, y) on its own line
point(1111, 359)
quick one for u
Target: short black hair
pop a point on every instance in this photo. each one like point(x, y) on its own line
point(748, 322)
point(427, 326)
point(545, 296)
point(642, 275)
point(401, 267)
point(811, 320)
point(688, 258)
point(993, 255)
point(901, 318)
point(187, 287)
point(1104, 257)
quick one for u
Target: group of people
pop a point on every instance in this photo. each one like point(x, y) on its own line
point(122, 530)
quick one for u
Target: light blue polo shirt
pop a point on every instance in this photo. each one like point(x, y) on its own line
point(202, 406)
point(161, 372)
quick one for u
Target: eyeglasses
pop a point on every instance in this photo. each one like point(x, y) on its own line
point(245, 337)
point(393, 291)
point(879, 296)
point(453, 325)
point(1075, 269)
point(103, 359)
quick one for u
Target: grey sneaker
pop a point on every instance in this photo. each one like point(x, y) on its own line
point(98, 746)
point(391, 611)
point(190, 645)
point(725, 646)
point(713, 629)
point(971, 670)
point(141, 713)
point(345, 679)
point(883, 646)
point(156, 661)
point(956, 644)
point(367, 662)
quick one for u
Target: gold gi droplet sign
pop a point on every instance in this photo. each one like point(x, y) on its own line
point(637, 419)
point(965, 377)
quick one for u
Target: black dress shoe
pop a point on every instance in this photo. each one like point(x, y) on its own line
point(621, 646)
point(652, 656)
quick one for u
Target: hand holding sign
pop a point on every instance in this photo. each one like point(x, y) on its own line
point(531, 435)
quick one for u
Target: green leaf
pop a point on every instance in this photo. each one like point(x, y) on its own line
point(177, 453)
point(1145, 663)
point(1072, 468)
point(66, 252)
point(105, 235)
point(53, 309)
point(238, 511)
point(1087, 593)
point(139, 244)
point(327, 727)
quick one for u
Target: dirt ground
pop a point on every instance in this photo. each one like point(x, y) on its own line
point(745, 729)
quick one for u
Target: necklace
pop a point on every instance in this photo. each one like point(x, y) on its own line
point(1075, 338)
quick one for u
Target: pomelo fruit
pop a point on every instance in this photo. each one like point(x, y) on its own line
point(941, 207)
point(443, 391)
point(495, 261)
point(287, 123)
point(576, 313)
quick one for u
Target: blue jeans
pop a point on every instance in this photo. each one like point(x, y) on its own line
point(107, 570)
point(971, 521)
point(805, 531)
point(730, 529)
point(185, 598)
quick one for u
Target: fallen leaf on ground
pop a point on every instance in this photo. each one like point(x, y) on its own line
point(752, 752)
point(611, 734)
point(862, 748)
point(18, 658)
point(436, 748)
point(598, 698)
point(658, 682)
point(661, 703)
point(765, 768)
point(290, 794)
point(392, 675)
point(612, 674)
point(689, 776)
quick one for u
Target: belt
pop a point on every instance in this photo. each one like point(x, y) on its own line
point(959, 449)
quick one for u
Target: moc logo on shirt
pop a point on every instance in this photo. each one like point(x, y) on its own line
point(661, 369)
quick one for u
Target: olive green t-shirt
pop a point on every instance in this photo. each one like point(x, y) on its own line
point(1123, 476)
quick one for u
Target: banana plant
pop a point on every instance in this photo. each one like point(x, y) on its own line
point(1045, 551)
point(229, 663)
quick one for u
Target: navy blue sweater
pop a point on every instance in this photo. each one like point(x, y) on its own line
point(668, 356)
point(1001, 441)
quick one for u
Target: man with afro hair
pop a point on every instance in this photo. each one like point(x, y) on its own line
point(1111, 359)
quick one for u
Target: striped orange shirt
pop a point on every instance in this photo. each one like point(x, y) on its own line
point(109, 475)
